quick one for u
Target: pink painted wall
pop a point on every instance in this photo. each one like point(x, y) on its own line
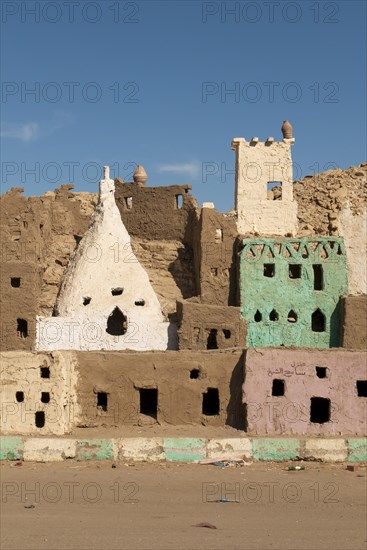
point(290, 414)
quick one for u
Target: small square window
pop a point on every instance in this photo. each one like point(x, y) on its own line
point(362, 388)
point(15, 282)
point(277, 388)
point(295, 271)
point(269, 270)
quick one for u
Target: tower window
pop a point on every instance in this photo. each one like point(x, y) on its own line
point(15, 282)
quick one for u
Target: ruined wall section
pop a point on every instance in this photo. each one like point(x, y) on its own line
point(217, 258)
point(354, 322)
point(353, 227)
point(203, 326)
point(322, 197)
point(157, 213)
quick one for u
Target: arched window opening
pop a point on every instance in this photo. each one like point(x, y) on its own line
point(116, 323)
point(318, 321)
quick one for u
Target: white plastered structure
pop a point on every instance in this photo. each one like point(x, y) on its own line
point(257, 165)
point(106, 301)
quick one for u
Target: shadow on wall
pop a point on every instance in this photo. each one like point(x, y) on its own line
point(235, 409)
point(335, 326)
point(234, 274)
point(182, 270)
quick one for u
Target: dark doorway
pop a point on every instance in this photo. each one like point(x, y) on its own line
point(102, 400)
point(149, 401)
point(320, 410)
point(318, 321)
point(39, 419)
point(212, 339)
point(211, 404)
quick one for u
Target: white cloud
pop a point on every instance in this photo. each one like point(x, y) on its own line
point(32, 130)
point(24, 132)
point(191, 169)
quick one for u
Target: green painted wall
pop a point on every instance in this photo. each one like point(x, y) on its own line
point(285, 291)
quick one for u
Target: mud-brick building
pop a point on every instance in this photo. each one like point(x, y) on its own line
point(138, 307)
point(291, 291)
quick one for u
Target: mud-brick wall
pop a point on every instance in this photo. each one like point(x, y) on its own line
point(121, 388)
point(37, 238)
point(37, 393)
point(20, 284)
point(305, 392)
point(157, 213)
point(203, 326)
point(218, 258)
point(354, 329)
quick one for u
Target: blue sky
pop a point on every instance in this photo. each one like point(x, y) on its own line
point(149, 82)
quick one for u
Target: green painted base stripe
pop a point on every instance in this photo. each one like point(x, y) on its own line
point(275, 449)
point(95, 449)
point(11, 448)
point(183, 443)
point(357, 450)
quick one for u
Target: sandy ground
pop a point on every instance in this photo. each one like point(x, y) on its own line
point(157, 506)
